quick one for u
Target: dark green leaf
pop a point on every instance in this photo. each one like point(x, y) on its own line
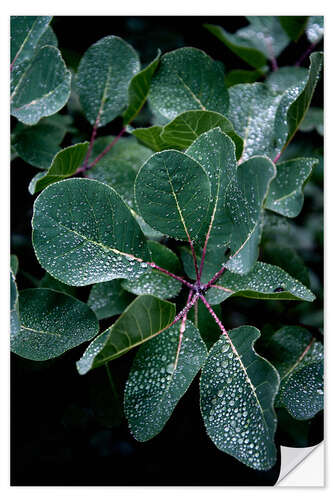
point(288, 260)
point(236, 76)
point(47, 38)
point(103, 78)
point(43, 88)
point(314, 120)
point(64, 164)
point(108, 299)
point(264, 281)
point(293, 25)
point(187, 79)
point(172, 194)
point(48, 281)
point(14, 307)
point(83, 233)
point(158, 380)
point(14, 264)
point(151, 137)
point(284, 78)
point(139, 88)
point(315, 29)
point(51, 323)
point(204, 321)
point(237, 391)
point(144, 318)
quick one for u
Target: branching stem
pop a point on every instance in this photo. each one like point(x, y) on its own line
point(168, 273)
point(217, 320)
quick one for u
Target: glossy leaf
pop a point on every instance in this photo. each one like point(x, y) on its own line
point(103, 78)
point(51, 323)
point(139, 88)
point(187, 79)
point(108, 299)
point(15, 323)
point(285, 194)
point(38, 144)
point(119, 167)
point(143, 319)
point(284, 78)
point(172, 194)
point(264, 281)
point(298, 358)
point(314, 120)
point(295, 104)
point(315, 29)
point(83, 233)
point(237, 391)
point(156, 283)
point(43, 88)
point(157, 380)
point(64, 164)
point(293, 25)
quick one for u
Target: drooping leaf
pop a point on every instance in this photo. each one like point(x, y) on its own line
point(314, 120)
point(83, 233)
point(38, 144)
point(285, 194)
point(295, 103)
point(264, 281)
point(25, 33)
point(293, 25)
point(14, 264)
point(139, 88)
point(172, 194)
point(51, 323)
point(187, 79)
point(103, 78)
point(143, 319)
point(298, 357)
point(237, 391)
point(315, 29)
point(48, 281)
point(108, 299)
point(252, 111)
point(43, 88)
point(64, 164)
point(284, 78)
point(119, 167)
point(157, 380)
point(15, 323)
point(156, 283)
point(236, 76)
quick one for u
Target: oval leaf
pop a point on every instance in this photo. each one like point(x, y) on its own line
point(108, 299)
point(51, 323)
point(144, 318)
point(158, 380)
point(83, 233)
point(237, 391)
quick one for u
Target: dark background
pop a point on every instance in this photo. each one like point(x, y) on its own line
point(69, 430)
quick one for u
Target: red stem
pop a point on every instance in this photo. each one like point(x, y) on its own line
point(182, 280)
point(182, 329)
point(107, 149)
point(92, 140)
point(306, 53)
point(217, 320)
point(214, 278)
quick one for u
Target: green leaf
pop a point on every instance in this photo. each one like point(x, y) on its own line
point(295, 103)
point(237, 391)
point(103, 78)
point(139, 88)
point(157, 380)
point(144, 318)
point(172, 194)
point(288, 260)
point(83, 233)
point(252, 111)
point(25, 33)
point(108, 299)
point(38, 144)
point(151, 137)
point(206, 324)
point(14, 264)
point(285, 194)
point(236, 76)
point(239, 46)
point(156, 283)
point(284, 78)
point(64, 164)
point(48, 281)
point(181, 132)
point(187, 79)
point(264, 281)
point(314, 120)
point(315, 29)
point(15, 323)
point(293, 25)
point(119, 167)
point(43, 88)
point(298, 357)
point(47, 38)
point(51, 324)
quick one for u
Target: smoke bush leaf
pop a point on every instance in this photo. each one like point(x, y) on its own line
point(315, 29)
point(314, 120)
point(83, 233)
point(51, 323)
point(14, 307)
point(286, 77)
point(151, 137)
point(108, 299)
point(143, 319)
point(293, 25)
point(103, 78)
point(237, 391)
point(158, 380)
point(187, 79)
